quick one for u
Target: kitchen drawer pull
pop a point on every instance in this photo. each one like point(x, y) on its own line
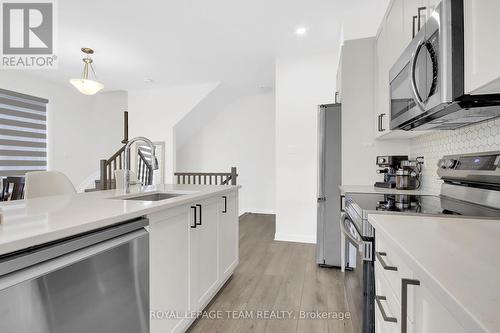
point(382, 129)
point(414, 26)
point(194, 225)
point(404, 301)
point(199, 206)
point(379, 256)
point(379, 300)
point(225, 204)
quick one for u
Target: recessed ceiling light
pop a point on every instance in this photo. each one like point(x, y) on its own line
point(301, 31)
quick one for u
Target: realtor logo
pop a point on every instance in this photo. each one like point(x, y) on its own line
point(28, 34)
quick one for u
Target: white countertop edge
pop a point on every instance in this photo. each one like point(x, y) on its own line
point(35, 240)
point(370, 189)
point(468, 321)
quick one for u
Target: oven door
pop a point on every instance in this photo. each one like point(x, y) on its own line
point(360, 283)
point(416, 80)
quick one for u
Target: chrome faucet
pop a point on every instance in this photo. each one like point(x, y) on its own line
point(126, 171)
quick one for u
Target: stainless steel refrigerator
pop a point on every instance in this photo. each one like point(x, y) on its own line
point(329, 180)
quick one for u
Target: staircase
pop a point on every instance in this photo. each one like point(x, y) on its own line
point(107, 167)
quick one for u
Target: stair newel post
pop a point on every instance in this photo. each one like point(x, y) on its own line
point(233, 176)
point(125, 127)
point(104, 175)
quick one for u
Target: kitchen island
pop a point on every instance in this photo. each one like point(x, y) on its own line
point(455, 263)
point(193, 241)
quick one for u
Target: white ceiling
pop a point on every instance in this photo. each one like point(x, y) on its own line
point(192, 41)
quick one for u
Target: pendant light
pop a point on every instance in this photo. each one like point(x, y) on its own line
point(84, 85)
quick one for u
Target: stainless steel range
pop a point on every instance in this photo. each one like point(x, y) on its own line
point(471, 188)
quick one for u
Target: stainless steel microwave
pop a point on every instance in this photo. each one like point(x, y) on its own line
point(427, 82)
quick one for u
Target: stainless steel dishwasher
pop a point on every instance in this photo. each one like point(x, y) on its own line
point(95, 282)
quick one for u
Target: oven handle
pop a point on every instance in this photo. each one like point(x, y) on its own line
point(357, 243)
point(413, 64)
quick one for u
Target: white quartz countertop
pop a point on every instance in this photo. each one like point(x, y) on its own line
point(456, 258)
point(378, 190)
point(26, 223)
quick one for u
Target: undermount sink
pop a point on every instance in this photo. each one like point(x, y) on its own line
point(155, 196)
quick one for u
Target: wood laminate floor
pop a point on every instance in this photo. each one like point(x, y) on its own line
point(276, 276)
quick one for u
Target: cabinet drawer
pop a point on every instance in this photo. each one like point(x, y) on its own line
point(395, 268)
point(386, 302)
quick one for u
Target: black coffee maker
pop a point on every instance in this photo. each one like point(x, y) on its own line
point(388, 167)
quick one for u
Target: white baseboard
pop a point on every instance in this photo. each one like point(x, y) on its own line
point(295, 238)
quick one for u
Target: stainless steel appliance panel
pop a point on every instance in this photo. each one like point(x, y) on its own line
point(103, 288)
point(329, 180)
point(427, 81)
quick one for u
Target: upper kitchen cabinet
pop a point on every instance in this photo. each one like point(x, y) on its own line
point(390, 43)
point(482, 53)
point(393, 34)
point(415, 14)
point(338, 93)
point(382, 83)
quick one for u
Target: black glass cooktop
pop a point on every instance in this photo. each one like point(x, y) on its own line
point(421, 204)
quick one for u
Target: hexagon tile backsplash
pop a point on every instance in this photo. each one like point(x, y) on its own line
point(471, 139)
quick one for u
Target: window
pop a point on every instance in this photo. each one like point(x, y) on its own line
point(23, 133)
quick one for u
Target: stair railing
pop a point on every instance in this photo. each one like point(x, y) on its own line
point(208, 178)
point(144, 169)
point(107, 168)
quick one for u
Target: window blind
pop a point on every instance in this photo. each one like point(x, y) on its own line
point(23, 133)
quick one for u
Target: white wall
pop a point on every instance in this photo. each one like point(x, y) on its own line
point(154, 112)
point(240, 134)
point(81, 129)
point(302, 84)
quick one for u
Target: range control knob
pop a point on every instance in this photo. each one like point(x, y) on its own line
point(441, 163)
point(450, 163)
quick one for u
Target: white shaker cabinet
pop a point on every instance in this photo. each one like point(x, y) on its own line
point(382, 105)
point(395, 281)
point(228, 235)
point(482, 51)
point(203, 239)
point(169, 268)
point(430, 316)
point(193, 251)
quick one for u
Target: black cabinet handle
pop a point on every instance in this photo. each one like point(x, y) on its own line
point(382, 122)
point(404, 302)
point(199, 206)
point(379, 256)
point(342, 208)
point(378, 123)
point(414, 26)
point(225, 204)
point(194, 225)
point(378, 299)
point(420, 9)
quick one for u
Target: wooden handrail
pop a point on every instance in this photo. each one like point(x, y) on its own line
point(208, 178)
